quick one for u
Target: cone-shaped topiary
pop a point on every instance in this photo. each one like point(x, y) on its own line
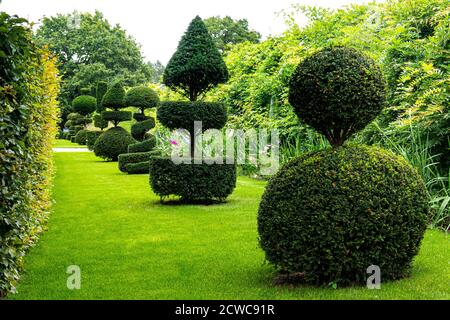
point(142, 98)
point(113, 142)
point(328, 216)
point(197, 65)
point(100, 91)
point(114, 98)
point(337, 91)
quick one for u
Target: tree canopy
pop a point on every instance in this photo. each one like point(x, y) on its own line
point(227, 31)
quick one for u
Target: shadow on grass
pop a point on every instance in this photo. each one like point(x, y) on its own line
point(183, 202)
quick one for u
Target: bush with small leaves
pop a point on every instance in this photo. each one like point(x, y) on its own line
point(139, 129)
point(142, 98)
point(100, 91)
point(91, 137)
point(84, 105)
point(140, 117)
point(112, 143)
point(114, 98)
point(128, 158)
point(116, 116)
point(192, 181)
point(331, 214)
point(81, 137)
point(99, 122)
point(144, 146)
point(337, 91)
point(138, 168)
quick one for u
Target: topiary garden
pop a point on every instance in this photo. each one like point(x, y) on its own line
point(114, 141)
point(136, 160)
point(195, 68)
point(329, 215)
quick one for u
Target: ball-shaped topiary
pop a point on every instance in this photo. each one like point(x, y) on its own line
point(84, 105)
point(112, 143)
point(337, 91)
point(142, 98)
point(91, 137)
point(331, 214)
point(114, 98)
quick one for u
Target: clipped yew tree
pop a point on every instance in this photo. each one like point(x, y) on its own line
point(114, 141)
point(84, 105)
point(195, 68)
point(136, 161)
point(329, 215)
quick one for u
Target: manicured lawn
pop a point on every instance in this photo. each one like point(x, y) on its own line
point(129, 246)
point(62, 143)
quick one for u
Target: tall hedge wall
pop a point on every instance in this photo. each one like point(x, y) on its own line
point(29, 85)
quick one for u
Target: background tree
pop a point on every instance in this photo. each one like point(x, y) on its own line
point(227, 31)
point(81, 63)
point(197, 65)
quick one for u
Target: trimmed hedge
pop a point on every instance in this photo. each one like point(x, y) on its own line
point(116, 116)
point(113, 142)
point(138, 168)
point(29, 86)
point(144, 146)
point(81, 137)
point(127, 158)
point(139, 129)
point(192, 181)
point(114, 98)
point(84, 105)
point(91, 137)
point(337, 91)
point(142, 97)
point(329, 215)
point(182, 114)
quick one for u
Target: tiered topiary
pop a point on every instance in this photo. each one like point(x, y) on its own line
point(75, 122)
point(329, 215)
point(196, 67)
point(116, 140)
point(136, 161)
point(84, 105)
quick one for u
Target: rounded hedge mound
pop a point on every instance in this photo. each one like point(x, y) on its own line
point(81, 137)
point(329, 215)
point(84, 105)
point(91, 137)
point(182, 114)
point(192, 181)
point(337, 91)
point(139, 129)
point(144, 146)
point(113, 142)
point(142, 97)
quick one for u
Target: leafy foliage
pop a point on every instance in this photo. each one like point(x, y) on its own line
point(100, 91)
point(142, 98)
point(99, 122)
point(139, 129)
point(114, 98)
point(144, 146)
point(81, 137)
point(112, 143)
point(129, 158)
point(116, 116)
point(227, 32)
point(29, 85)
point(337, 91)
point(192, 181)
point(84, 105)
point(197, 65)
point(91, 137)
point(329, 215)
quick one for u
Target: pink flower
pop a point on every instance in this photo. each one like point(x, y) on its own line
point(173, 142)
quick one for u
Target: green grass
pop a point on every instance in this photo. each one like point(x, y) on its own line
point(129, 246)
point(62, 143)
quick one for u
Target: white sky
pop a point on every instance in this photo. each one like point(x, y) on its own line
point(159, 24)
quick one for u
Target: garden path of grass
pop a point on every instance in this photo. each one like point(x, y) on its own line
point(129, 246)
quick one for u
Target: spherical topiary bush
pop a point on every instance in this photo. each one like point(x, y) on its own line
point(114, 98)
point(113, 142)
point(337, 91)
point(142, 98)
point(84, 105)
point(331, 214)
point(81, 137)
